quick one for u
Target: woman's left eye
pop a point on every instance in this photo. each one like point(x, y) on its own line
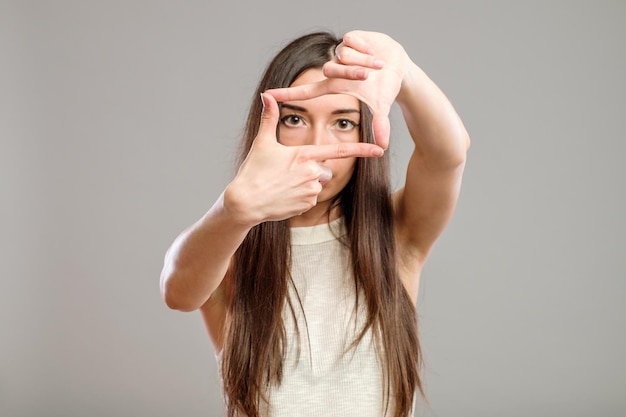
point(345, 124)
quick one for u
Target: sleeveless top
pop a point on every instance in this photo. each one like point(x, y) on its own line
point(322, 374)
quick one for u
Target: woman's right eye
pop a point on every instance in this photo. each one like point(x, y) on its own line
point(292, 120)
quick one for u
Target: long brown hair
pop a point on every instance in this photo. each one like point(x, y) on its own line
point(255, 334)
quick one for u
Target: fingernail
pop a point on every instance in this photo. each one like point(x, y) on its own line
point(378, 152)
point(378, 63)
point(326, 174)
point(263, 101)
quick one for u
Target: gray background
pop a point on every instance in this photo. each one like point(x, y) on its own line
point(118, 125)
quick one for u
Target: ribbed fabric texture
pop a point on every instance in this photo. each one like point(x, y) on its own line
point(322, 376)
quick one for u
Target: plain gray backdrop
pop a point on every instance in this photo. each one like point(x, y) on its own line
point(118, 127)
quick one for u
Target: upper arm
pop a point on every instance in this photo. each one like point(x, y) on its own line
point(424, 206)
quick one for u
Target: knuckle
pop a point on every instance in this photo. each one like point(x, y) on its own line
point(304, 154)
point(342, 150)
point(312, 190)
point(311, 170)
point(307, 204)
point(345, 54)
point(329, 69)
point(312, 202)
point(358, 73)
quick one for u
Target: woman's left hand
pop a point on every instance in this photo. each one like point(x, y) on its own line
point(367, 65)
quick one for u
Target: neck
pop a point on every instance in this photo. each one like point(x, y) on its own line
point(317, 215)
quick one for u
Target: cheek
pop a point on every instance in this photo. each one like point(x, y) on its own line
point(289, 142)
point(346, 137)
point(342, 168)
point(289, 137)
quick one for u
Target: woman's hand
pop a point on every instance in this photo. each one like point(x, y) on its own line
point(276, 182)
point(367, 65)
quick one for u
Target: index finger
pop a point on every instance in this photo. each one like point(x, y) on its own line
point(340, 150)
point(301, 92)
point(354, 39)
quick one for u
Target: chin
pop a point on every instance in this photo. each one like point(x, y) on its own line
point(327, 195)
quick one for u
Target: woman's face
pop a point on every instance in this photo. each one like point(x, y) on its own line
point(324, 120)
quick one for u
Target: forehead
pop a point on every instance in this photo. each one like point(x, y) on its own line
point(327, 101)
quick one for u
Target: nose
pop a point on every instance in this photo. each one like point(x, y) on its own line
point(319, 135)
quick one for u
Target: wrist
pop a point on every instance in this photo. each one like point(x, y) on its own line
point(237, 207)
point(411, 81)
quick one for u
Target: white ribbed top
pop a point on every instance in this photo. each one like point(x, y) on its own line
point(326, 379)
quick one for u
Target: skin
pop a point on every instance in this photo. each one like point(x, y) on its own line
point(324, 120)
point(280, 181)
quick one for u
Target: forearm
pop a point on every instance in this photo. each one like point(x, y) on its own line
point(440, 138)
point(198, 259)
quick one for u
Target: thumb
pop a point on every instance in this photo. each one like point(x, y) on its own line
point(382, 129)
point(269, 118)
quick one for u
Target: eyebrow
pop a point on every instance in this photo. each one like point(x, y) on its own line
point(303, 110)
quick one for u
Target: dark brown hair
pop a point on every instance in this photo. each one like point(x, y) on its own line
point(255, 334)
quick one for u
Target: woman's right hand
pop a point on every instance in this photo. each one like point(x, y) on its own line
point(277, 182)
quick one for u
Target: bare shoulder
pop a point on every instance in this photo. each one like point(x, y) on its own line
point(214, 312)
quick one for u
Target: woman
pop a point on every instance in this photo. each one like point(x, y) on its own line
point(306, 269)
